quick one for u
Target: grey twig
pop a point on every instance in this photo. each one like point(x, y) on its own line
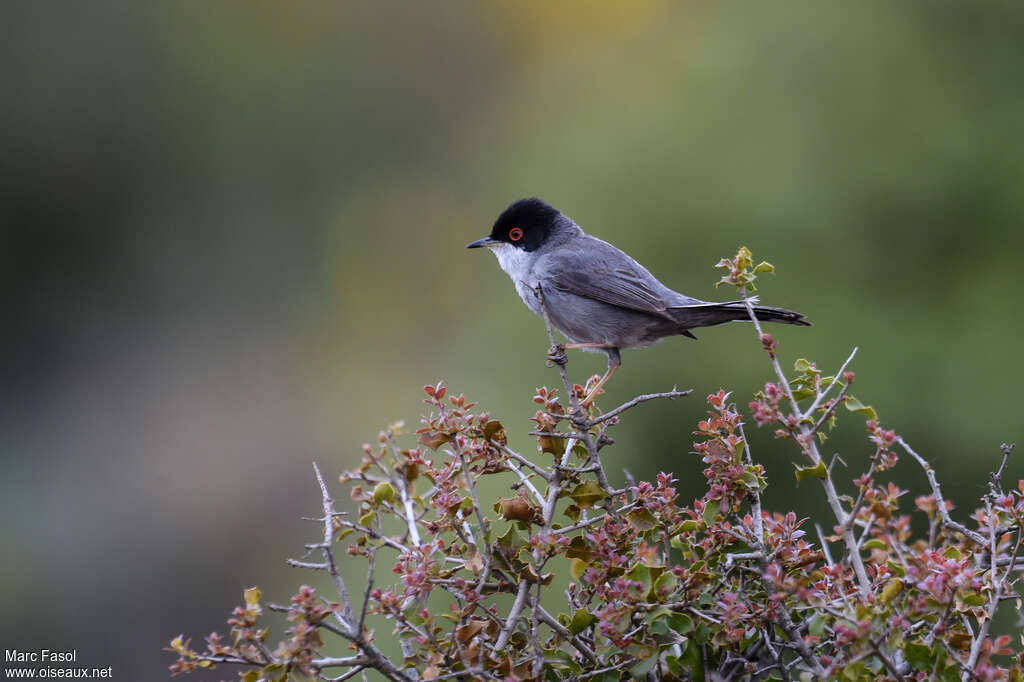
point(993, 599)
point(375, 659)
point(532, 466)
point(810, 447)
point(671, 395)
point(975, 537)
point(996, 479)
point(295, 563)
point(399, 481)
point(347, 616)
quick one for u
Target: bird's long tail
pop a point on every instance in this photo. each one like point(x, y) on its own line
point(709, 314)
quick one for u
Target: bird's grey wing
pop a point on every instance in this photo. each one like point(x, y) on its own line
point(601, 272)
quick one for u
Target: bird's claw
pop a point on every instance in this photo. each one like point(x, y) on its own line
point(557, 356)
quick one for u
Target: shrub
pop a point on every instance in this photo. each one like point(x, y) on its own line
point(717, 588)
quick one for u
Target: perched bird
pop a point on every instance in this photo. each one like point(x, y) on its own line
point(595, 294)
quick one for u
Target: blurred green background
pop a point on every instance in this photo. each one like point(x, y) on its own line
point(233, 244)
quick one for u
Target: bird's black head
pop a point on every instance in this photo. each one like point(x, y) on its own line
point(525, 224)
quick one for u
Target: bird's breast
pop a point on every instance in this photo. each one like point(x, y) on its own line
point(515, 262)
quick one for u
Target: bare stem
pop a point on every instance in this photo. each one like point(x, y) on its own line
point(975, 537)
point(809, 446)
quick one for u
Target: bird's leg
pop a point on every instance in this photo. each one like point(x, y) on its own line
point(602, 346)
point(614, 362)
point(556, 354)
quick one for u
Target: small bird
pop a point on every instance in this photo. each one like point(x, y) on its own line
point(599, 297)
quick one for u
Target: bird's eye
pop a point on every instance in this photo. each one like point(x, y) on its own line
point(515, 234)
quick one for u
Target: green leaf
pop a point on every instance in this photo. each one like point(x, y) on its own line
point(817, 471)
point(874, 543)
point(581, 620)
point(891, 590)
point(274, 672)
point(666, 583)
point(693, 661)
point(383, 492)
point(802, 365)
point(511, 543)
point(587, 494)
point(642, 575)
point(919, 656)
point(751, 480)
point(252, 596)
point(974, 599)
point(953, 553)
point(950, 673)
point(579, 548)
point(680, 623)
point(854, 405)
point(711, 510)
point(689, 525)
point(642, 519)
point(640, 670)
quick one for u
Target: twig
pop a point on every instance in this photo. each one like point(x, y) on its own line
point(370, 533)
point(295, 563)
point(347, 617)
point(975, 537)
point(525, 480)
point(997, 584)
point(671, 395)
point(532, 466)
point(835, 379)
point(459, 673)
point(996, 478)
point(810, 447)
point(399, 481)
point(351, 673)
point(369, 583)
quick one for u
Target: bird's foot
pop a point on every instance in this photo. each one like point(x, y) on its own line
point(557, 356)
point(592, 392)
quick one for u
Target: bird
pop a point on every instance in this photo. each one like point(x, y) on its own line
point(600, 298)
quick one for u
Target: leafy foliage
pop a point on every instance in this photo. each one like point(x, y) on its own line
point(662, 589)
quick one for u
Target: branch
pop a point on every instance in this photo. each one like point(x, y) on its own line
point(809, 445)
point(975, 537)
point(671, 395)
point(375, 659)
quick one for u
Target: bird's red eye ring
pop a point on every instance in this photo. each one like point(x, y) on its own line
point(515, 234)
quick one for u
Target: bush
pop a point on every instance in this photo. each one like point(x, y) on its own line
point(715, 589)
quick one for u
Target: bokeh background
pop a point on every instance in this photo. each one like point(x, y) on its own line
point(232, 243)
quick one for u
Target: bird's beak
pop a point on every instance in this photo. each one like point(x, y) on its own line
point(486, 241)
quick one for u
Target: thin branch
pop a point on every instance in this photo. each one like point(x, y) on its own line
point(351, 673)
point(532, 466)
point(997, 587)
point(835, 380)
point(810, 447)
point(399, 481)
point(525, 480)
point(295, 563)
point(347, 616)
point(671, 395)
point(996, 478)
point(369, 584)
point(975, 537)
